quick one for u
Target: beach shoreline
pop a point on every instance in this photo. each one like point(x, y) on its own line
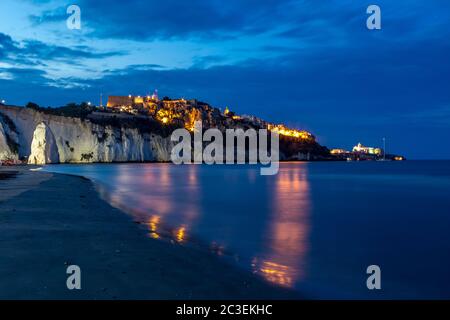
point(49, 221)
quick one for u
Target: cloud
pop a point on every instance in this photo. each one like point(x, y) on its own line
point(22, 75)
point(172, 19)
point(38, 62)
point(33, 49)
point(6, 45)
point(5, 75)
point(207, 61)
point(38, 49)
point(49, 16)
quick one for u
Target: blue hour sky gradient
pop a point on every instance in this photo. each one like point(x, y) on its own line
point(309, 64)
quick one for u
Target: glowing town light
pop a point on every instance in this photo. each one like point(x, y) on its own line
point(3, 101)
point(89, 103)
point(283, 131)
point(165, 120)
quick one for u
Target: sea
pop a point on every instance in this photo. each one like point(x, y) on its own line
point(315, 227)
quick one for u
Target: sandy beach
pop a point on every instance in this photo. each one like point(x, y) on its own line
point(49, 221)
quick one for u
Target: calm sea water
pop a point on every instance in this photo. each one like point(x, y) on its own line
point(314, 227)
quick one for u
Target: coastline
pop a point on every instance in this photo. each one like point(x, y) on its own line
point(49, 221)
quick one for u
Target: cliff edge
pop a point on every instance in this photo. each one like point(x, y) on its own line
point(44, 138)
point(41, 136)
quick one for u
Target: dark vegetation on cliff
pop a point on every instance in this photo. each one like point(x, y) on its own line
point(310, 149)
point(143, 125)
point(83, 110)
point(72, 110)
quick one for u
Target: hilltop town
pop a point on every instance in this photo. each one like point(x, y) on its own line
point(124, 128)
point(186, 112)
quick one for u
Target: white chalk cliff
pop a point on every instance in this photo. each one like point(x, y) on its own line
point(8, 140)
point(44, 138)
point(43, 147)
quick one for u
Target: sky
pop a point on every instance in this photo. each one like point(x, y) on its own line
point(309, 64)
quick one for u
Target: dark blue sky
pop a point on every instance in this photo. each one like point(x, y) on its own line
point(310, 64)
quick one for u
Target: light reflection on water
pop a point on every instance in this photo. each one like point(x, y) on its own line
point(314, 226)
point(196, 203)
point(287, 234)
point(150, 197)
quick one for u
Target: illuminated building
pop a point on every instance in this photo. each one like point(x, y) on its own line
point(119, 101)
point(131, 101)
point(338, 151)
point(182, 112)
point(138, 100)
point(283, 131)
point(359, 148)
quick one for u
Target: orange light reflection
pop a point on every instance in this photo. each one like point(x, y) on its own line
point(289, 229)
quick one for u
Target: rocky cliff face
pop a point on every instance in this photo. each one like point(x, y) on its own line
point(44, 138)
point(9, 144)
point(43, 147)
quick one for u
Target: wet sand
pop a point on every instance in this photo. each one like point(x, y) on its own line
point(15, 180)
point(49, 221)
